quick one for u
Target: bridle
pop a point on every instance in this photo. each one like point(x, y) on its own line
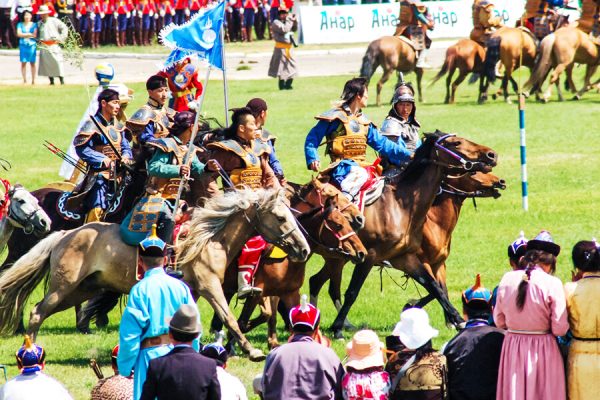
point(464, 164)
point(280, 241)
point(24, 223)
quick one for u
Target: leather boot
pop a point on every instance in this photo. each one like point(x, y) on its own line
point(145, 41)
point(94, 215)
point(245, 287)
point(123, 35)
point(288, 84)
point(249, 33)
point(118, 38)
point(421, 63)
point(281, 84)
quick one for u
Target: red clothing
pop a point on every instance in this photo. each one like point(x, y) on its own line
point(182, 80)
point(250, 4)
point(198, 4)
point(123, 7)
point(182, 4)
point(82, 7)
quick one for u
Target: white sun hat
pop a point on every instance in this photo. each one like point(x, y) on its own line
point(414, 329)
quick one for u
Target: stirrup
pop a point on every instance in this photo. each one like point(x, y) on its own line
point(248, 291)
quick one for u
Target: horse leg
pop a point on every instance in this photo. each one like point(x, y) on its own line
point(387, 73)
point(359, 275)
point(461, 77)
point(271, 304)
point(213, 293)
point(216, 325)
point(447, 99)
point(419, 73)
point(483, 87)
point(316, 282)
point(515, 85)
point(335, 291)
point(504, 87)
point(558, 91)
point(587, 85)
point(569, 80)
point(250, 305)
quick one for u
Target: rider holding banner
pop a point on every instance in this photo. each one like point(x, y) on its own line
point(101, 144)
point(348, 132)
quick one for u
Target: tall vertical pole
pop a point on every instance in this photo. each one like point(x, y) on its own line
point(524, 193)
point(225, 91)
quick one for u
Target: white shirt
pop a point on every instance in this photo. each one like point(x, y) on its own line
point(34, 386)
point(231, 387)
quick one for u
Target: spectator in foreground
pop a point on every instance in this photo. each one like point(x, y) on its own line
point(32, 383)
point(423, 375)
point(182, 374)
point(531, 305)
point(116, 387)
point(473, 355)
point(231, 387)
point(583, 365)
point(302, 369)
point(365, 377)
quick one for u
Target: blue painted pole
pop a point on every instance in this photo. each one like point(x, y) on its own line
point(524, 192)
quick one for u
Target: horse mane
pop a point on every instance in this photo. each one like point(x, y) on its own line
point(415, 167)
point(209, 220)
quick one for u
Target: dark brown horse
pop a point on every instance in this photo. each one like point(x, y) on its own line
point(467, 56)
point(392, 53)
point(394, 223)
point(442, 218)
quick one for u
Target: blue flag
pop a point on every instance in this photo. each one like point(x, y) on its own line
point(200, 36)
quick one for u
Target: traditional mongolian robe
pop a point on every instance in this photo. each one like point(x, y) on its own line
point(531, 367)
point(183, 82)
point(583, 368)
point(283, 65)
point(145, 323)
point(51, 33)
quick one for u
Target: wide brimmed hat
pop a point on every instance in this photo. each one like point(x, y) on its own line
point(43, 10)
point(477, 293)
point(186, 320)
point(414, 329)
point(518, 248)
point(30, 356)
point(544, 242)
point(305, 314)
point(365, 351)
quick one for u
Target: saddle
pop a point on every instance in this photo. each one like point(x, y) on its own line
point(408, 41)
point(527, 31)
point(70, 210)
point(370, 192)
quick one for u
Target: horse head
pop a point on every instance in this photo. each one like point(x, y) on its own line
point(25, 212)
point(459, 154)
point(276, 223)
point(336, 233)
point(337, 199)
point(474, 184)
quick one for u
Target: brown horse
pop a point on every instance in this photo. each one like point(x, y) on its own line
point(442, 218)
point(568, 45)
point(393, 54)
point(81, 261)
point(394, 223)
point(467, 56)
point(506, 45)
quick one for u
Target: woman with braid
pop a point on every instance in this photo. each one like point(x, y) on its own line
point(531, 306)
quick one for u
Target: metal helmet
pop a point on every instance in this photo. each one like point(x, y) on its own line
point(403, 93)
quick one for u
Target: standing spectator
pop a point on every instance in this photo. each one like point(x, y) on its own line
point(51, 31)
point(250, 9)
point(302, 369)
point(473, 355)
point(6, 23)
point(365, 378)
point(116, 387)
point(196, 6)
point(583, 366)
point(182, 11)
point(182, 374)
point(84, 21)
point(32, 383)
point(531, 306)
point(261, 19)
point(109, 34)
point(231, 387)
point(273, 10)
point(235, 27)
point(27, 32)
point(424, 374)
point(143, 330)
point(97, 16)
point(65, 11)
point(282, 65)
point(259, 110)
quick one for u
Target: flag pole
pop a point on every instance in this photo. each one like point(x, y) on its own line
point(522, 133)
point(225, 91)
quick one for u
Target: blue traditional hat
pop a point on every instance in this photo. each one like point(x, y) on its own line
point(476, 292)
point(216, 351)
point(152, 246)
point(30, 357)
point(518, 248)
point(544, 242)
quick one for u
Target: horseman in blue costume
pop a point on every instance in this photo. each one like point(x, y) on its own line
point(143, 332)
point(102, 145)
point(166, 169)
point(348, 132)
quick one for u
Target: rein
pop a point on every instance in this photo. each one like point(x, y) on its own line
point(464, 163)
point(4, 203)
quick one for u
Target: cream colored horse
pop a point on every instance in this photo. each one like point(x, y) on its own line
point(82, 261)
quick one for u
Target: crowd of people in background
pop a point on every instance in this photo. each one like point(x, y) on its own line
point(529, 338)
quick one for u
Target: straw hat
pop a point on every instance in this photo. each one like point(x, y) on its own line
point(414, 329)
point(364, 351)
point(43, 10)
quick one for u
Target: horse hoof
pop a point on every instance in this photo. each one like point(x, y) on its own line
point(576, 97)
point(494, 97)
point(338, 334)
point(349, 326)
point(256, 355)
point(508, 101)
point(460, 326)
point(84, 331)
point(102, 321)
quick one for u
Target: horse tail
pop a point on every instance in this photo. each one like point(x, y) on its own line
point(448, 65)
point(368, 64)
point(492, 56)
point(543, 63)
point(18, 282)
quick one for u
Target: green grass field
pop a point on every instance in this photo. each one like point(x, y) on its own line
point(564, 185)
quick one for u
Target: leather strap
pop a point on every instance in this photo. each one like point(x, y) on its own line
point(155, 341)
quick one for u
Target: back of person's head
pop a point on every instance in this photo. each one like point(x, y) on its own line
point(257, 106)
point(305, 317)
point(586, 256)
point(30, 357)
point(239, 117)
point(181, 122)
point(541, 251)
point(217, 352)
point(354, 87)
point(185, 325)
point(414, 330)
point(156, 82)
point(517, 249)
point(476, 301)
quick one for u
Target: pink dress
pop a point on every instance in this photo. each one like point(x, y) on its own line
point(531, 367)
point(373, 385)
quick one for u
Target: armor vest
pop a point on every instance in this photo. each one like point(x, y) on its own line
point(113, 133)
point(150, 112)
point(391, 127)
point(251, 173)
point(167, 187)
point(349, 141)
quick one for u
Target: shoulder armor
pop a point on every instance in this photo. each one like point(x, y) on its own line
point(166, 144)
point(261, 147)
point(333, 114)
point(190, 69)
point(170, 112)
point(87, 130)
point(391, 127)
point(142, 116)
point(266, 136)
point(363, 120)
point(228, 145)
